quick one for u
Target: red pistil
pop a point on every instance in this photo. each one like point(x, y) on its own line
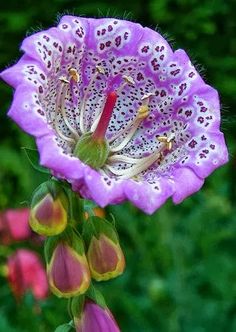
point(100, 131)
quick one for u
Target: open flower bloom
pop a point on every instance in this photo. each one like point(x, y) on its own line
point(116, 112)
point(95, 318)
point(26, 273)
point(14, 225)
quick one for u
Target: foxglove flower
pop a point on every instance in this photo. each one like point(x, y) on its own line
point(14, 225)
point(26, 273)
point(95, 318)
point(116, 112)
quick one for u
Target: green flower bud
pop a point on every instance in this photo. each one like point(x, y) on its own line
point(105, 256)
point(67, 267)
point(48, 215)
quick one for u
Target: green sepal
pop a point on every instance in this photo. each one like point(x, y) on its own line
point(92, 152)
point(95, 226)
point(52, 187)
point(76, 207)
point(70, 237)
point(33, 157)
point(77, 306)
point(96, 296)
point(65, 327)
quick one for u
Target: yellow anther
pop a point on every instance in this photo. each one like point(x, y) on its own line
point(64, 79)
point(148, 95)
point(167, 140)
point(74, 74)
point(143, 112)
point(162, 139)
point(128, 79)
point(100, 70)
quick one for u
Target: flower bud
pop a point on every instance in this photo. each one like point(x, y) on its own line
point(67, 267)
point(97, 211)
point(26, 272)
point(49, 207)
point(95, 318)
point(105, 256)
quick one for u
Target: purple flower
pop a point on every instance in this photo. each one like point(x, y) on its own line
point(116, 112)
point(95, 318)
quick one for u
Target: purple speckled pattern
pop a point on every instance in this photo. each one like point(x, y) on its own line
point(96, 319)
point(57, 110)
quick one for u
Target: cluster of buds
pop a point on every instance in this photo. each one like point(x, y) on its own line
point(80, 246)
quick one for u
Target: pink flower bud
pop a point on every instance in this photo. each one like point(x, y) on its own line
point(14, 225)
point(49, 209)
point(105, 257)
point(26, 273)
point(68, 271)
point(95, 319)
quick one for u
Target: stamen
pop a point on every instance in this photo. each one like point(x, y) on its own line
point(64, 116)
point(140, 166)
point(100, 131)
point(57, 111)
point(98, 70)
point(167, 140)
point(74, 74)
point(127, 80)
point(131, 129)
point(60, 107)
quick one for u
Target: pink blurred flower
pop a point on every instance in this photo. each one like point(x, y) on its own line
point(26, 273)
point(14, 225)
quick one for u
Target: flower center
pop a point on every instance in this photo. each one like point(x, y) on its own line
point(91, 145)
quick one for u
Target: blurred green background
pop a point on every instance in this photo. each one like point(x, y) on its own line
point(181, 274)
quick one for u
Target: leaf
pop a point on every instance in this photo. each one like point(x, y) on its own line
point(64, 327)
point(33, 158)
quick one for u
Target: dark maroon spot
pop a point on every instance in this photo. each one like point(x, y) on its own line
point(98, 33)
point(203, 109)
point(203, 138)
point(118, 41)
point(188, 113)
point(110, 28)
point(102, 46)
point(64, 26)
point(115, 22)
point(162, 57)
point(40, 89)
point(191, 74)
point(49, 64)
point(55, 44)
point(192, 144)
point(140, 77)
point(200, 119)
point(126, 35)
point(163, 93)
point(108, 43)
point(46, 38)
point(145, 49)
point(182, 87)
point(175, 72)
point(41, 112)
point(103, 31)
point(212, 146)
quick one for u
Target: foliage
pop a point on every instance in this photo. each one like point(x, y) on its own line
point(180, 262)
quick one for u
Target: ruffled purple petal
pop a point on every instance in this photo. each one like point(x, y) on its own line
point(52, 157)
point(149, 197)
point(186, 182)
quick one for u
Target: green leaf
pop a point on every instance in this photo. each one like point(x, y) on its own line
point(33, 158)
point(64, 327)
point(96, 296)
